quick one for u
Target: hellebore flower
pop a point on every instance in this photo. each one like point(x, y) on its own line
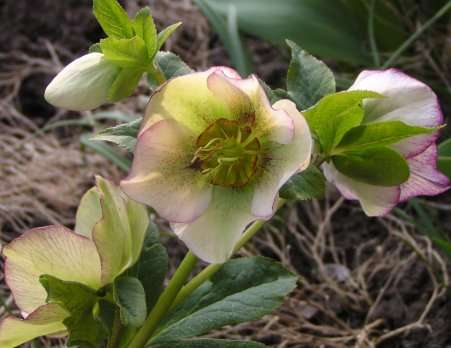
point(109, 235)
point(212, 155)
point(84, 84)
point(412, 102)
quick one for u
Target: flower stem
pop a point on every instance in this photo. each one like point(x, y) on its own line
point(208, 272)
point(165, 301)
point(116, 331)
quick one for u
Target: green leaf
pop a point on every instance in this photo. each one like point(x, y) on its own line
point(309, 184)
point(379, 134)
point(170, 65)
point(444, 157)
point(166, 33)
point(79, 300)
point(335, 114)
point(106, 151)
point(323, 27)
point(209, 343)
point(227, 28)
point(144, 27)
point(125, 84)
point(104, 312)
point(380, 166)
point(152, 266)
point(95, 48)
point(273, 95)
point(130, 296)
point(126, 53)
point(308, 79)
point(123, 135)
point(242, 290)
point(113, 19)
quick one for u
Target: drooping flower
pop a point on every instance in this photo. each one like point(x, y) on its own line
point(110, 230)
point(412, 102)
point(83, 84)
point(212, 155)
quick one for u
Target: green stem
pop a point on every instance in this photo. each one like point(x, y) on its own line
point(165, 301)
point(372, 37)
point(116, 330)
point(415, 35)
point(208, 272)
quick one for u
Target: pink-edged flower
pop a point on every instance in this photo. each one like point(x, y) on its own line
point(110, 231)
point(212, 155)
point(410, 101)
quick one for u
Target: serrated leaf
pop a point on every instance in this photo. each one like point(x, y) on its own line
point(335, 114)
point(125, 84)
point(126, 53)
point(113, 19)
point(166, 33)
point(308, 78)
point(79, 301)
point(144, 27)
point(170, 65)
point(379, 134)
point(242, 290)
point(209, 343)
point(130, 296)
point(152, 266)
point(380, 166)
point(309, 184)
point(123, 135)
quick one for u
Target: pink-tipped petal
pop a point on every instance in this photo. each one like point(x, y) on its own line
point(283, 162)
point(162, 175)
point(52, 250)
point(45, 320)
point(375, 200)
point(213, 235)
point(425, 179)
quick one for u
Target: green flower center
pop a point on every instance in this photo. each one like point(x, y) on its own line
point(227, 153)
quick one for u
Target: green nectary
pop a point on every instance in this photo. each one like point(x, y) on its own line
point(228, 153)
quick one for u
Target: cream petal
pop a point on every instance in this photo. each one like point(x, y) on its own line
point(83, 84)
point(284, 161)
point(406, 99)
point(214, 234)
point(375, 200)
point(89, 212)
point(425, 179)
point(188, 100)
point(162, 177)
point(45, 320)
point(52, 250)
point(120, 233)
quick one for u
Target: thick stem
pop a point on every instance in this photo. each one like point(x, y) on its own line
point(116, 331)
point(165, 301)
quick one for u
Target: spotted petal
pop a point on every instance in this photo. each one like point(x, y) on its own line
point(52, 250)
point(214, 234)
point(162, 175)
point(375, 200)
point(45, 320)
point(189, 101)
point(283, 162)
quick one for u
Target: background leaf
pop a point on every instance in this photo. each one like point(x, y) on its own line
point(170, 65)
point(308, 79)
point(124, 134)
point(130, 296)
point(308, 184)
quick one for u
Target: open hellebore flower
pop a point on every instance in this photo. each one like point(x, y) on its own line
point(109, 235)
point(410, 101)
point(83, 84)
point(212, 155)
